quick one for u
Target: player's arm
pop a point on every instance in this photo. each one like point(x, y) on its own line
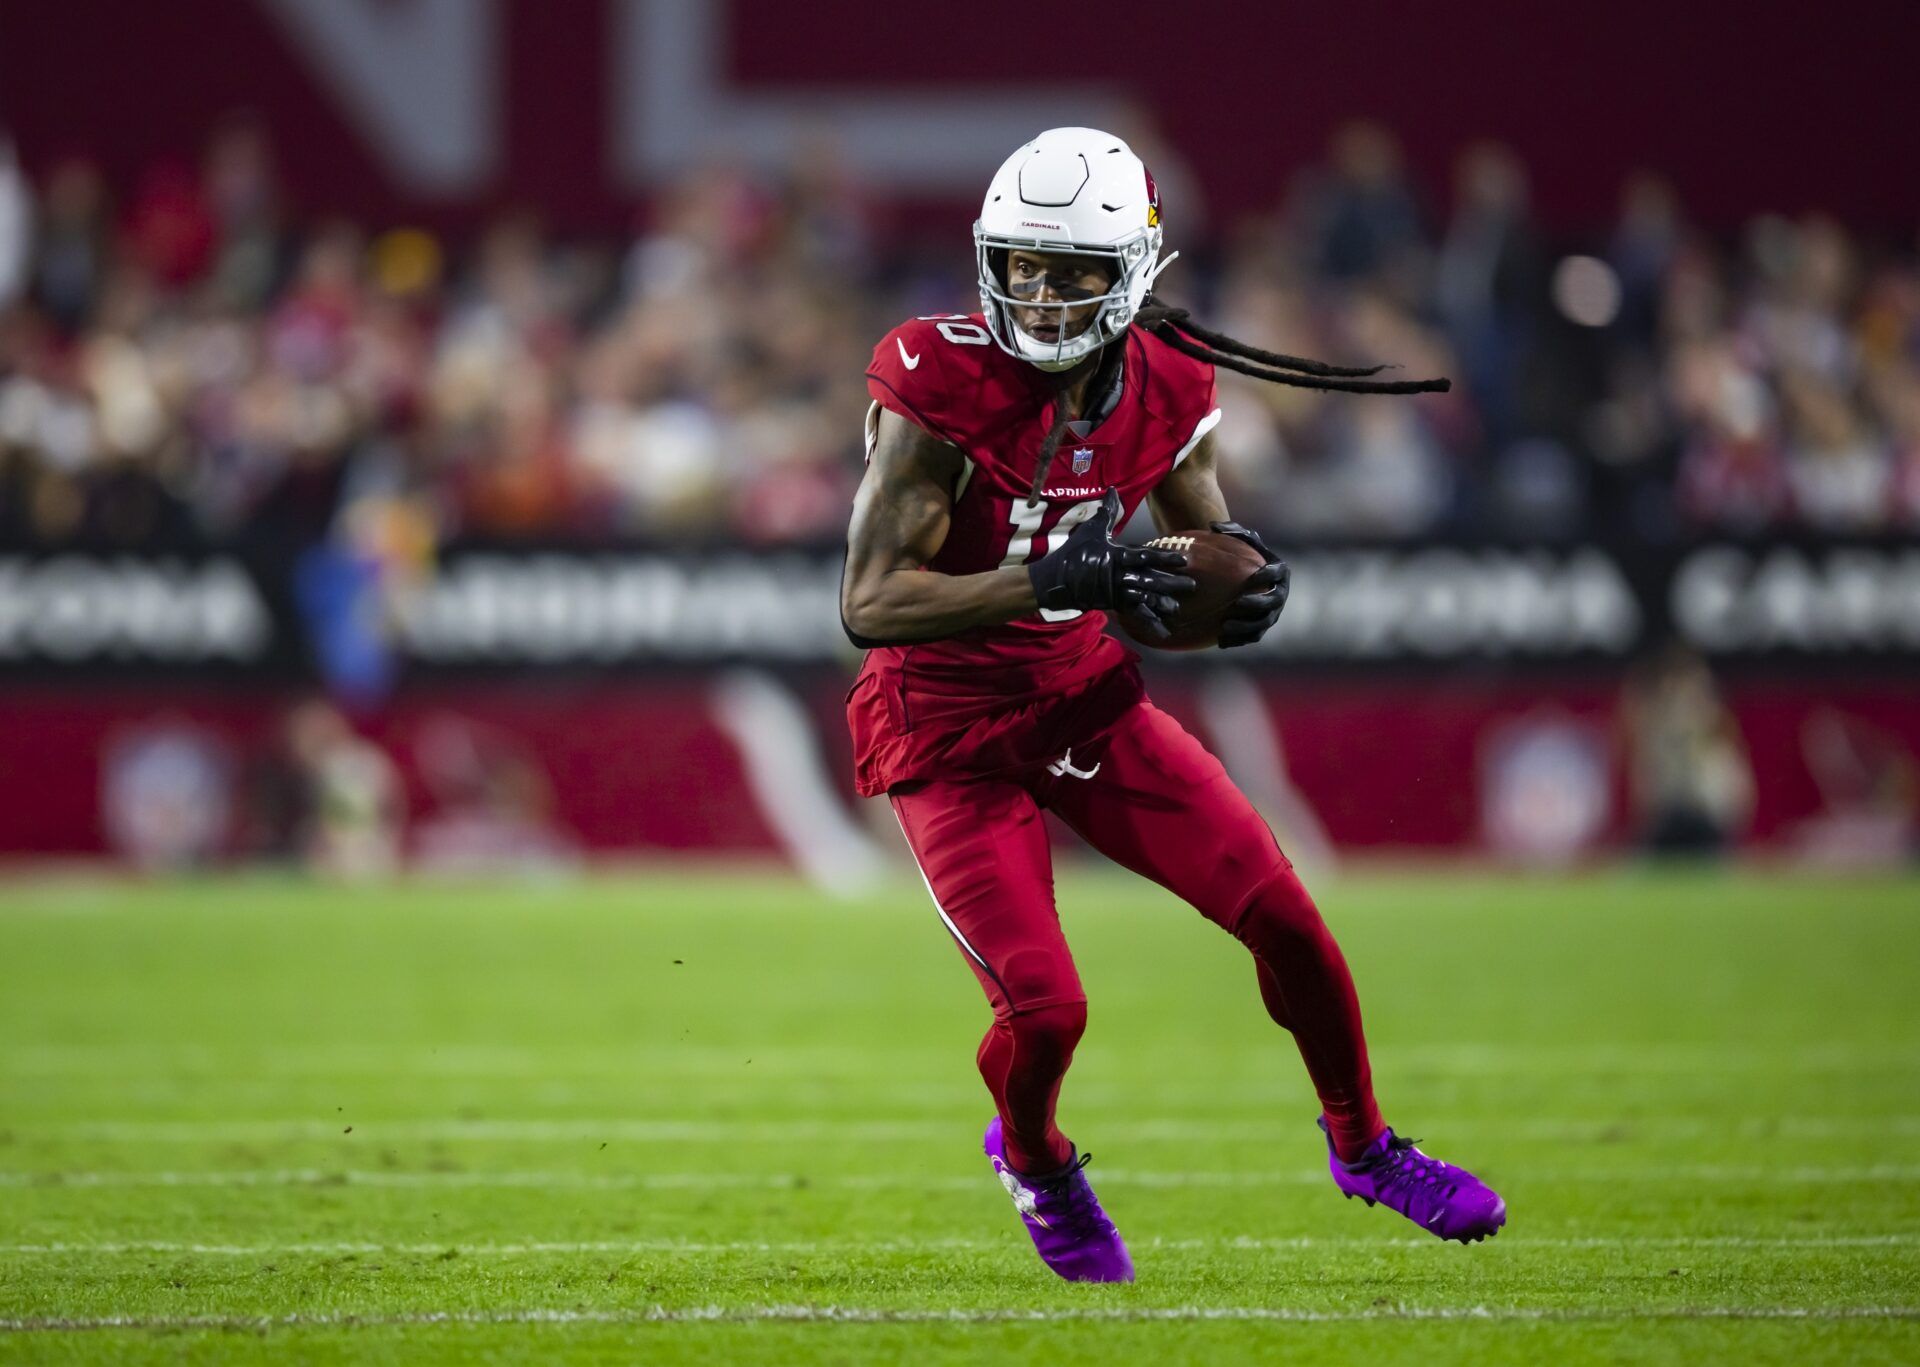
point(900, 519)
point(1189, 497)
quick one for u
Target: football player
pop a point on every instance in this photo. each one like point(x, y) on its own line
point(1005, 449)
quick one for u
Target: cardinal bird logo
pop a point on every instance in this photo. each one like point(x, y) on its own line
point(1083, 460)
point(1153, 199)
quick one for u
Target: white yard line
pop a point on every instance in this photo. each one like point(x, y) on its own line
point(631, 1130)
point(121, 1060)
point(839, 1314)
point(1622, 1243)
point(673, 1181)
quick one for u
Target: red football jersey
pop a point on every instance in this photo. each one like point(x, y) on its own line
point(955, 707)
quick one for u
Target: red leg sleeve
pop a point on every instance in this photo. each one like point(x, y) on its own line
point(1154, 800)
point(982, 848)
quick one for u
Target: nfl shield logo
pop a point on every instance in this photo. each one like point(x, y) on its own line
point(1083, 460)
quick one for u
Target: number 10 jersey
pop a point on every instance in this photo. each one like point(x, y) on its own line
point(995, 698)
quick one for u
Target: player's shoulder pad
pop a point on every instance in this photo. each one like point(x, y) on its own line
point(1177, 388)
point(937, 372)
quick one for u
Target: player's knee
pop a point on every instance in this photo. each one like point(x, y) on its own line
point(1041, 972)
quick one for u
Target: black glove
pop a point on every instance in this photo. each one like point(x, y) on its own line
point(1256, 610)
point(1093, 571)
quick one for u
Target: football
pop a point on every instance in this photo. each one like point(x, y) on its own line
point(1219, 566)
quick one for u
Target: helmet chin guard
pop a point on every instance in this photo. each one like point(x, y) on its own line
point(1074, 191)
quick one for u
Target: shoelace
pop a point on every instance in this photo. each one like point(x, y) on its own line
point(1082, 1209)
point(1408, 1167)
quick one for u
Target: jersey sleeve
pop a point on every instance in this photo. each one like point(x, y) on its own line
point(911, 374)
point(1204, 412)
point(1185, 395)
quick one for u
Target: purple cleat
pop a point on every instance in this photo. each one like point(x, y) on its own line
point(1073, 1235)
point(1447, 1202)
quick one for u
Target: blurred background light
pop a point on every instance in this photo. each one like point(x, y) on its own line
point(1586, 291)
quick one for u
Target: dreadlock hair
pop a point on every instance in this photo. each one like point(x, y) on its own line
point(1176, 328)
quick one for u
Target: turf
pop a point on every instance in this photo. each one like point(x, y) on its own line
point(721, 1119)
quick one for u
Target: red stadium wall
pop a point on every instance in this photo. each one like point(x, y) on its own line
point(1749, 108)
point(644, 767)
point(637, 768)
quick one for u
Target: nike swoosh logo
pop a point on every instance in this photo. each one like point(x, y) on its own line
point(911, 361)
point(1063, 766)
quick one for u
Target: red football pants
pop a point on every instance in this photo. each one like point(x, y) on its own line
point(1151, 798)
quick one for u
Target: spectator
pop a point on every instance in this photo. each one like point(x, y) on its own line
point(1731, 472)
point(73, 246)
point(354, 812)
point(1690, 780)
point(493, 806)
point(1869, 793)
point(244, 196)
point(1358, 220)
point(1837, 470)
point(170, 231)
point(1487, 280)
point(1804, 283)
point(1646, 242)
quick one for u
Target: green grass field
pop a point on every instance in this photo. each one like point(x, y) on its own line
point(718, 1119)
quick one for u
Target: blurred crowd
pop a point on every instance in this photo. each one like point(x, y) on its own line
point(183, 357)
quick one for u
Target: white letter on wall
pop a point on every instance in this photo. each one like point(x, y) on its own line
point(419, 77)
point(674, 110)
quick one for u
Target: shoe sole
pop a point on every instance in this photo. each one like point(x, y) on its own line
point(1476, 1237)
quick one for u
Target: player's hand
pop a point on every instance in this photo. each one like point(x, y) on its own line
point(1093, 572)
point(1256, 610)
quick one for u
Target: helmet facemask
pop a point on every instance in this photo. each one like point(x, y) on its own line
point(1133, 261)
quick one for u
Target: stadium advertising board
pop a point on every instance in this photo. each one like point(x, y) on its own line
point(489, 608)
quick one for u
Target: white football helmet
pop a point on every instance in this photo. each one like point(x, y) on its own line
point(1069, 190)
